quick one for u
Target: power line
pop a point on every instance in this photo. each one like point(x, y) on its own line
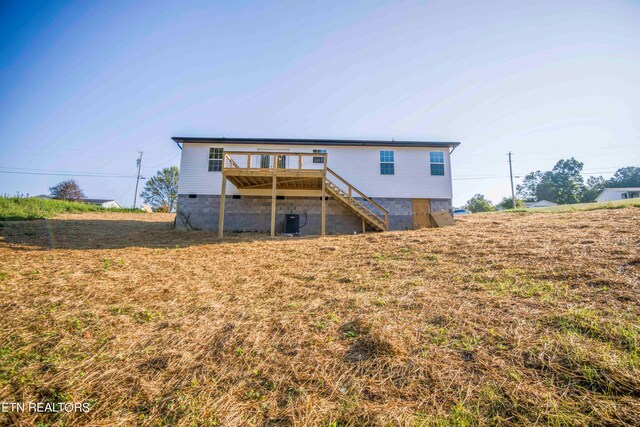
point(87, 175)
point(63, 171)
point(163, 163)
point(502, 176)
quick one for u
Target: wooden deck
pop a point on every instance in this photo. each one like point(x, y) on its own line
point(265, 170)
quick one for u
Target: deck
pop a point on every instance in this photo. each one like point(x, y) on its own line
point(270, 170)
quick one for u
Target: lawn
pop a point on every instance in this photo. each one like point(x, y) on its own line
point(20, 208)
point(502, 319)
point(617, 204)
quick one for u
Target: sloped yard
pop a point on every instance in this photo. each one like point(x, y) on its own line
point(504, 319)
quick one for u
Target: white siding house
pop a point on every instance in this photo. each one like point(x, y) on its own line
point(539, 204)
point(395, 176)
point(104, 203)
point(612, 194)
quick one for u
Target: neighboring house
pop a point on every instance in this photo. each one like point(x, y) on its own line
point(105, 203)
point(611, 194)
point(42, 197)
point(539, 204)
point(372, 185)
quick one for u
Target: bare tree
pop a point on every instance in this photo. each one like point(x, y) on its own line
point(67, 190)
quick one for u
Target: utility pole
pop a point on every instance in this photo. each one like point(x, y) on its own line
point(135, 196)
point(513, 194)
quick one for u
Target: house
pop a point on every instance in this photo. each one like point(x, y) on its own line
point(611, 194)
point(539, 204)
point(105, 203)
point(323, 185)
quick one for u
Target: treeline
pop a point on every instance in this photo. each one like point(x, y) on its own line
point(564, 185)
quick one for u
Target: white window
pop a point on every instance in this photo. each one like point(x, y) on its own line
point(436, 159)
point(321, 158)
point(215, 159)
point(386, 163)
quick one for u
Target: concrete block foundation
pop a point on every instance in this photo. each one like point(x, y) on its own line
point(253, 213)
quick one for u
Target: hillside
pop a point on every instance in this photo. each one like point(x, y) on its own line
point(19, 208)
point(504, 319)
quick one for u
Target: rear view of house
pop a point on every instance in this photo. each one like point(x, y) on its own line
point(311, 186)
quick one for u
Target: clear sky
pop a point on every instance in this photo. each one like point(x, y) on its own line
point(86, 85)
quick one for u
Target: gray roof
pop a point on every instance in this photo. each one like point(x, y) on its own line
point(316, 142)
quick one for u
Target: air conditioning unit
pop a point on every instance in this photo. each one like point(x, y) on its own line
point(292, 224)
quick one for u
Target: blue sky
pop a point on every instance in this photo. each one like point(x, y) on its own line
point(84, 86)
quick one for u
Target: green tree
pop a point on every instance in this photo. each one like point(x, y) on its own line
point(566, 182)
point(67, 190)
point(528, 190)
point(507, 203)
point(595, 185)
point(625, 177)
point(479, 203)
point(161, 191)
point(563, 184)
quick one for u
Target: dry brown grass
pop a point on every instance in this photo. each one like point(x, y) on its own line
point(503, 319)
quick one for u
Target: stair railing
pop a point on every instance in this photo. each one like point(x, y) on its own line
point(351, 190)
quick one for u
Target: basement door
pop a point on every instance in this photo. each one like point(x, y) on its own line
point(421, 209)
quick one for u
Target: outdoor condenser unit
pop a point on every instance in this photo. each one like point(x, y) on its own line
point(292, 224)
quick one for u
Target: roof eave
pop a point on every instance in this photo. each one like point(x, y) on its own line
point(330, 142)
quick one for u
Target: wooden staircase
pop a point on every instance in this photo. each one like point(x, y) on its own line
point(355, 200)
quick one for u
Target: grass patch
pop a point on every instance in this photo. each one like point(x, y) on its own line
point(22, 209)
point(580, 207)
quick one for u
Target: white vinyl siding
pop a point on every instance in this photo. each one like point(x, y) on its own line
point(358, 165)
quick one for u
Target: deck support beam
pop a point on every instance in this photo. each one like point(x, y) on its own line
point(273, 206)
point(222, 200)
point(363, 226)
point(323, 219)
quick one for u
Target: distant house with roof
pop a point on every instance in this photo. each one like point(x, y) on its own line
point(539, 204)
point(105, 203)
point(612, 194)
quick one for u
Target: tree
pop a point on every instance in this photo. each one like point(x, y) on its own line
point(161, 191)
point(625, 177)
point(507, 203)
point(566, 181)
point(595, 185)
point(529, 187)
point(563, 184)
point(479, 203)
point(67, 190)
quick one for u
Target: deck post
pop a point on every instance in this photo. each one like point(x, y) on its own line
point(323, 219)
point(273, 206)
point(363, 226)
point(222, 199)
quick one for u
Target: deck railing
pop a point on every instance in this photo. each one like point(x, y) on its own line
point(357, 197)
point(273, 160)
